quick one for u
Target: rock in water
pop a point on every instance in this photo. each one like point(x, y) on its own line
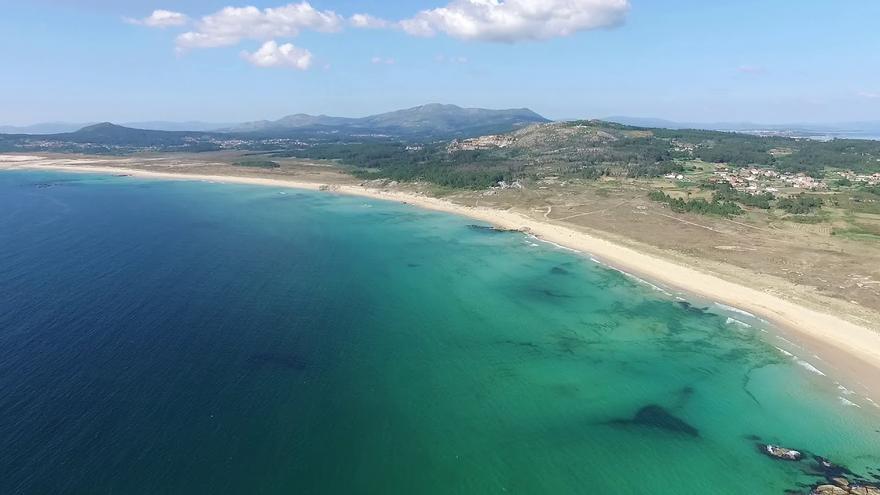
point(839, 490)
point(829, 490)
point(783, 453)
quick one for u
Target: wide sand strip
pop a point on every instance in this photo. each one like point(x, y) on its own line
point(856, 349)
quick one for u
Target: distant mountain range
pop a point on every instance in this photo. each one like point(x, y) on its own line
point(62, 127)
point(867, 129)
point(427, 120)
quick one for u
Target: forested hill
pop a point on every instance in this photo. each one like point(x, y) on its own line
point(588, 149)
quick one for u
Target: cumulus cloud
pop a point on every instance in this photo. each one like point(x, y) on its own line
point(366, 21)
point(383, 61)
point(516, 20)
point(870, 95)
point(160, 19)
point(273, 55)
point(233, 24)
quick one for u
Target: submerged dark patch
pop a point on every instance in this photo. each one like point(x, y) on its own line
point(491, 230)
point(654, 416)
point(690, 308)
point(46, 185)
point(558, 270)
point(518, 343)
point(554, 294)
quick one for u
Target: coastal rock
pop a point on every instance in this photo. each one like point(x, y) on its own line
point(864, 490)
point(829, 490)
point(782, 453)
point(845, 490)
point(841, 482)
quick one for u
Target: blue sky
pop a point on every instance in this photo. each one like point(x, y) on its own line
point(777, 61)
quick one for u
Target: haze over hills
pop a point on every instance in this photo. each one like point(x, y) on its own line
point(863, 129)
point(454, 121)
point(424, 123)
point(432, 119)
point(65, 127)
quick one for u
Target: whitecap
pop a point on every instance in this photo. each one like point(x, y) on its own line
point(645, 282)
point(844, 390)
point(559, 246)
point(809, 366)
point(784, 352)
point(788, 342)
point(734, 321)
point(734, 310)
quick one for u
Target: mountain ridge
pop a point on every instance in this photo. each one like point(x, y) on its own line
point(434, 117)
point(426, 120)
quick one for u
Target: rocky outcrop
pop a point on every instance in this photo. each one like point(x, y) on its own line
point(481, 143)
point(782, 453)
point(846, 489)
point(829, 490)
point(838, 480)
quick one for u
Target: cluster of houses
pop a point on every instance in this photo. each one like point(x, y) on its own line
point(871, 180)
point(755, 180)
point(759, 180)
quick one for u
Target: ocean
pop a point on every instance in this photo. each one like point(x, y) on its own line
point(188, 337)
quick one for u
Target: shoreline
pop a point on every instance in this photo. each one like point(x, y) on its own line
point(851, 349)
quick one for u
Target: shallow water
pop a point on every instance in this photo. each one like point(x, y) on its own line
point(185, 337)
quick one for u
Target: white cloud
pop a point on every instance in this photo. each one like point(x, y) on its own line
point(366, 21)
point(870, 95)
point(233, 24)
point(160, 19)
point(273, 55)
point(383, 61)
point(516, 20)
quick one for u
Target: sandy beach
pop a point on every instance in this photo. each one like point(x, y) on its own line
point(852, 350)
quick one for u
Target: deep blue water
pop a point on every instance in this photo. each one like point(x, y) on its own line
point(185, 337)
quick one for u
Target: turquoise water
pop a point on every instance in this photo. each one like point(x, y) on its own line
point(185, 337)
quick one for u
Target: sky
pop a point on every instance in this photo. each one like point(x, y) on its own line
point(775, 61)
